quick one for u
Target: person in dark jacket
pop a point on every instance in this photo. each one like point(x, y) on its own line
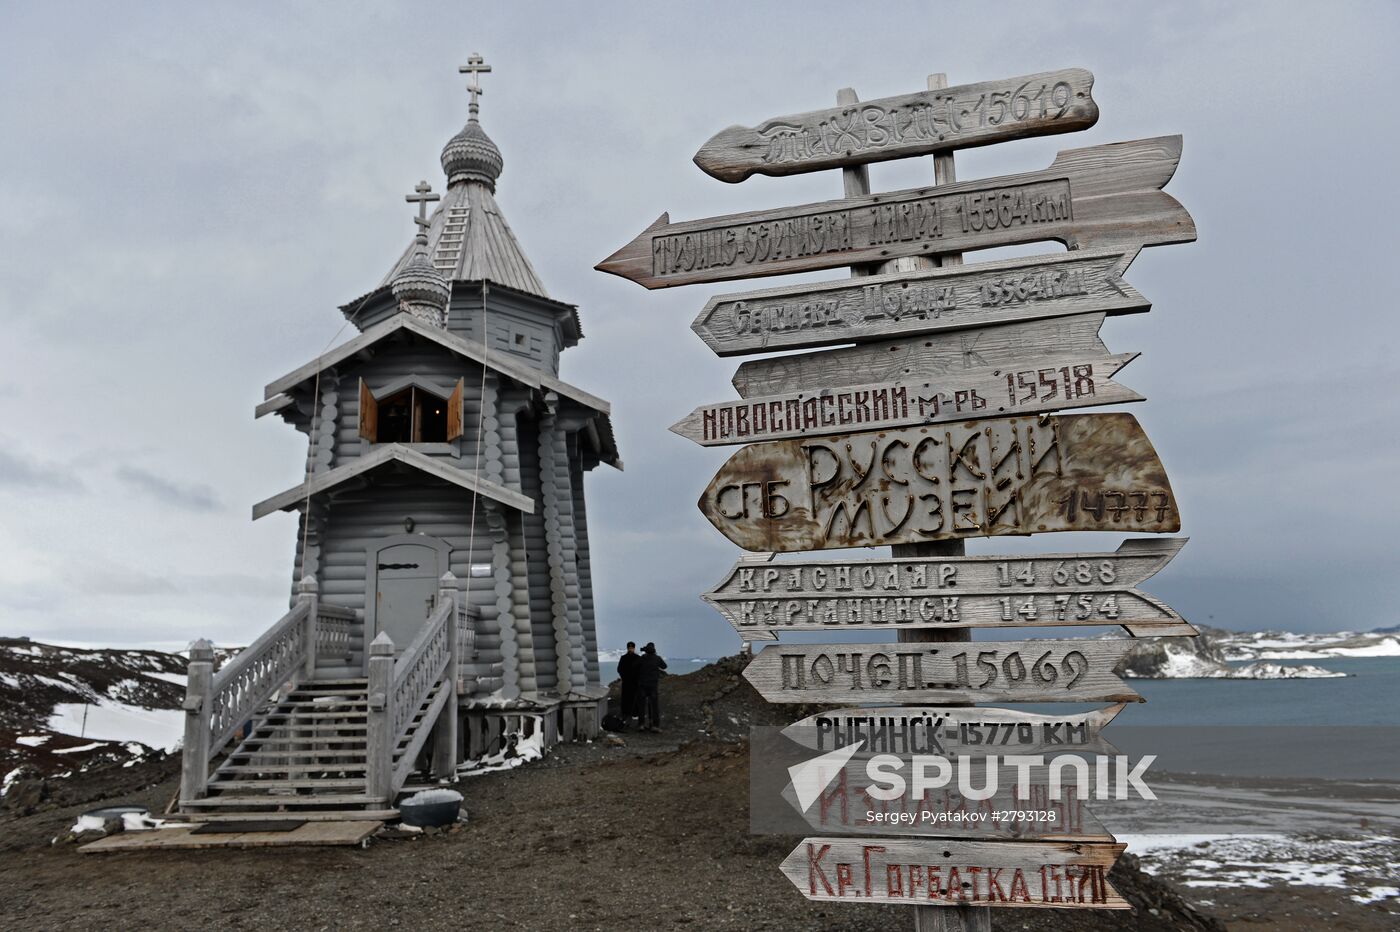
point(627, 672)
point(649, 669)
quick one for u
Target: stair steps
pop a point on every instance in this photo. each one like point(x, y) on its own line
point(308, 784)
point(305, 758)
point(293, 755)
point(348, 815)
point(295, 802)
point(318, 729)
point(325, 767)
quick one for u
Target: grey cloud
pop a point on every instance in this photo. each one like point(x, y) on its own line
point(124, 581)
point(242, 193)
point(186, 496)
point(20, 471)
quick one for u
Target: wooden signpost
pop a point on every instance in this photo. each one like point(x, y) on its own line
point(950, 731)
point(1047, 384)
point(908, 304)
point(911, 124)
point(930, 872)
point(974, 592)
point(925, 419)
point(1100, 196)
point(849, 803)
point(1079, 472)
point(935, 355)
point(983, 671)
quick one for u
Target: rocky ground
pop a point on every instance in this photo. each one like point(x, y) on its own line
point(653, 835)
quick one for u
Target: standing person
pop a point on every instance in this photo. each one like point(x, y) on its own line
point(627, 672)
point(649, 670)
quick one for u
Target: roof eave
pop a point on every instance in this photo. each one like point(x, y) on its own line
point(394, 452)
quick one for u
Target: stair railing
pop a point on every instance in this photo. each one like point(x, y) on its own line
point(336, 625)
point(426, 672)
point(218, 704)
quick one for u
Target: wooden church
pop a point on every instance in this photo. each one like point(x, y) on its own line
point(442, 606)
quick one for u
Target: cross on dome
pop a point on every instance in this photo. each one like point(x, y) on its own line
point(471, 155)
point(475, 66)
point(423, 196)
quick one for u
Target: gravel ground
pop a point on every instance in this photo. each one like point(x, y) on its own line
point(653, 835)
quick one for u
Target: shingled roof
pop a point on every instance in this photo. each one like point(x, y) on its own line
point(470, 240)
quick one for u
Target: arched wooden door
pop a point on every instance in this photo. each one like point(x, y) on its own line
point(403, 574)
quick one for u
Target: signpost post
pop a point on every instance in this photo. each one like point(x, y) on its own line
point(925, 418)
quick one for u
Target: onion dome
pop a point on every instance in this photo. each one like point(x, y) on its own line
point(472, 156)
point(421, 289)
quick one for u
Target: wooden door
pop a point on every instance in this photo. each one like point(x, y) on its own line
point(405, 589)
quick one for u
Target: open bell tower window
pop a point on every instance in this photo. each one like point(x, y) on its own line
point(411, 415)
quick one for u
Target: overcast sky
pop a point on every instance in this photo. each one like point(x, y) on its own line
point(188, 192)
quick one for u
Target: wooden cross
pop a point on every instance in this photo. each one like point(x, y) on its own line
point(423, 196)
point(475, 66)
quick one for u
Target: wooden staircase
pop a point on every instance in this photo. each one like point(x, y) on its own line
point(307, 758)
point(320, 745)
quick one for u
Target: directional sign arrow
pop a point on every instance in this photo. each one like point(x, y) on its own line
point(910, 124)
point(934, 872)
point(967, 592)
point(935, 355)
point(1100, 196)
point(849, 798)
point(1077, 472)
point(953, 731)
point(1033, 386)
point(982, 671)
point(906, 304)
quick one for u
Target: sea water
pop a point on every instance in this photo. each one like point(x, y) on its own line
point(608, 668)
point(1369, 694)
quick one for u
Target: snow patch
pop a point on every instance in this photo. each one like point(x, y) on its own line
point(1376, 895)
point(155, 728)
point(1261, 670)
point(80, 749)
point(1269, 861)
point(518, 750)
point(432, 798)
point(1182, 662)
point(1273, 645)
point(32, 741)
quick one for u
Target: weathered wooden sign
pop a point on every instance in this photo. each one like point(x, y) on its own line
point(1100, 196)
point(982, 671)
point(930, 872)
point(881, 307)
point(954, 731)
point(910, 124)
point(969, 592)
point(934, 355)
point(1032, 386)
point(1078, 472)
point(851, 802)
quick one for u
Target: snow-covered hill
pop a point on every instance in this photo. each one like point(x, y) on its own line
point(1207, 657)
point(64, 709)
point(1283, 645)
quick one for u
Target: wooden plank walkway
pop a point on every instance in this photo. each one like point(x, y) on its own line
point(310, 834)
